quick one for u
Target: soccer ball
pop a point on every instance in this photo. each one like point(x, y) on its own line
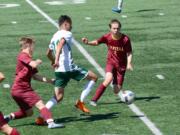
point(39, 121)
point(127, 96)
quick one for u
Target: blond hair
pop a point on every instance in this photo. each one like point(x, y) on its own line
point(25, 42)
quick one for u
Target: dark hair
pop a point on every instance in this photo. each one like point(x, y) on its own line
point(114, 21)
point(64, 18)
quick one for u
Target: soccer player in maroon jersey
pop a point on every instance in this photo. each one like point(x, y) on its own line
point(22, 92)
point(119, 58)
point(4, 127)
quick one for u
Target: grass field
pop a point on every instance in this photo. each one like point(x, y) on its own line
point(154, 29)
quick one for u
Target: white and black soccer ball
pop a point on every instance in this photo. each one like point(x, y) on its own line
point(127, 96)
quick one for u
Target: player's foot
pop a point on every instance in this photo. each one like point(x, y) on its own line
point(93, 103)
point(52, 125)
point(7, 118)
point(117, 10)
point(39, 121)
point(80, 105)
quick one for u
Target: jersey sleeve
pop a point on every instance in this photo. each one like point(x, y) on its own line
point(128, 47)
point(102, 39)
point(67, 36)
point(25, 58)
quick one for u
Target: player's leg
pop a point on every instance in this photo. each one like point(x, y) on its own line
point(81, 74)
point(118, 9)
point(46, 114)
point(5, 128)
point(19, 114)
point(58, 96)
point(92, 78)
point(61, 81)
point(102, 87)
point(118, 81)
point(25, 108)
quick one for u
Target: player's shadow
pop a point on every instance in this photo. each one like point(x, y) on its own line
point(27, 124)
point(89, 118)
point(148, 99)
point(110, 103)
point(147, 10)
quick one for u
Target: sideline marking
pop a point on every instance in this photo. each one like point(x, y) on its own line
point(133, 107)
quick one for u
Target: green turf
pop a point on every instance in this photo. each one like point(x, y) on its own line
point(155, 41)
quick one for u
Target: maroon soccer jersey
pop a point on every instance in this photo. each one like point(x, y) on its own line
point(117, 49)
point(24, 72)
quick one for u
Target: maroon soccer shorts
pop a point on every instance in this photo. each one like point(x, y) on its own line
point(25, 99)
point(2, 121)
point(118, 74)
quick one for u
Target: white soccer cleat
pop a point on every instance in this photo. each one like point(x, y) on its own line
point(53, 125)
point(93, 103)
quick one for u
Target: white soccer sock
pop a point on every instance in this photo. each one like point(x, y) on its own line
point(51, 103)
point(87, 89)
point(120, 2)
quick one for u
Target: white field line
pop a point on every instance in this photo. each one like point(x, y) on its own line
point(133, 107)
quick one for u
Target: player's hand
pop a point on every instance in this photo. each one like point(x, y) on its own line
point(39, 61)
point(56, 64)
point(129, 67)
point(85, 40)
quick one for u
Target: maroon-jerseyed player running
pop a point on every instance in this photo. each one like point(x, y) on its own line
point(119, 58)
point(4, 127)
point(22, 92)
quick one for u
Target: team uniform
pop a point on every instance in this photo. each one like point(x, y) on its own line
point(67, 69)
point(22, 92)
point(117, 56)
point(116, 61)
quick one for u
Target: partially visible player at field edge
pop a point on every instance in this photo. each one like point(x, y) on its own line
point(118, 9)
point(119, 58)
point(4, 127)
point(60, 54)
point(22, 92)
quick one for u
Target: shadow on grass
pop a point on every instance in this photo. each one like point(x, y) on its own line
point(83, 117)
point(28, 124)
point(111, 103)
point(147, 10)
point(148, 99)
point(89, 118)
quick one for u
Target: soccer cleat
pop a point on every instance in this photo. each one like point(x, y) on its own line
point(53, 125)
point(117, 10)
point(39, 121)
point(7, 118)
point(80, 105)
point(93, 103)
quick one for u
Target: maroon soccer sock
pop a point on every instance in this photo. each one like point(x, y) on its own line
point(18, 115)
point(14, 132)
point(46, 114)
point(99, 91)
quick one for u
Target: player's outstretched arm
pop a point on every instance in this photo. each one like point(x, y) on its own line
point(92, 43)
point(35, 63)
point(41, 78)
point(1, 77)
point(129, 61)
point(50, 56)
